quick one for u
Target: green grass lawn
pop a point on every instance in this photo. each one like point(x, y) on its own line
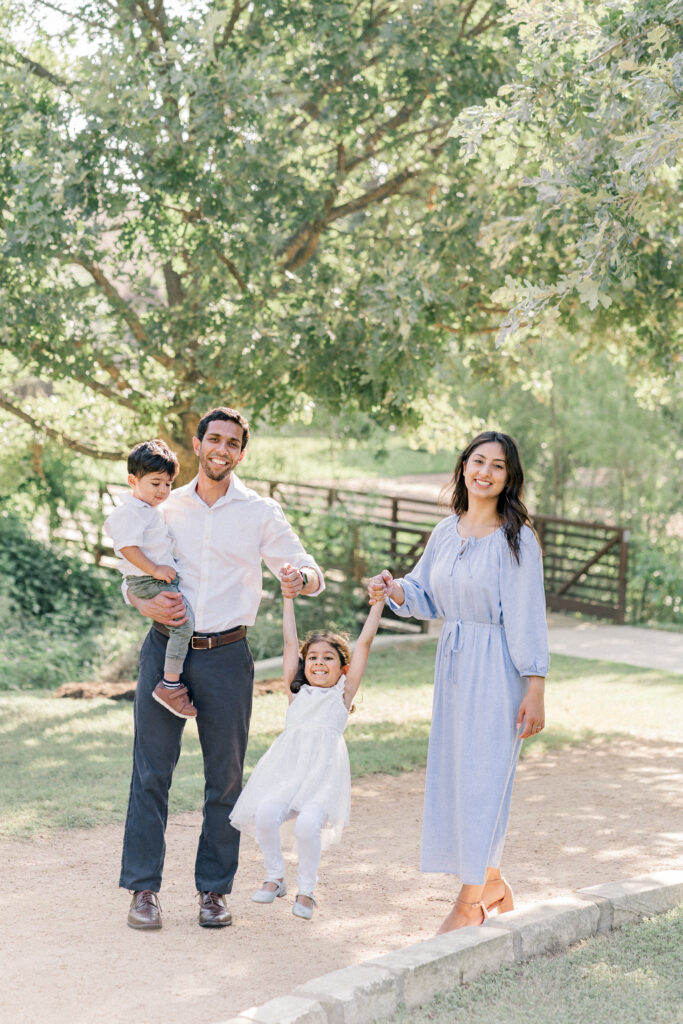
point(66, 764)
point(631, 976)
point(308, 457)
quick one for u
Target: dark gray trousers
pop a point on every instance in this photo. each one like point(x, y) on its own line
point(220, 683)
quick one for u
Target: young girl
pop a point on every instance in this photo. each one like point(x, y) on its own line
point(305, 773)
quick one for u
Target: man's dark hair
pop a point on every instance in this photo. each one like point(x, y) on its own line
point(224, 412)
point(153, 457)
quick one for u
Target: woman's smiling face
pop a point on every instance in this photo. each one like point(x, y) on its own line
point(485, 471)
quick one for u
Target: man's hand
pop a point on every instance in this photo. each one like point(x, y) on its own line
point(291, 581)
point(167, 607)
point(164, 572)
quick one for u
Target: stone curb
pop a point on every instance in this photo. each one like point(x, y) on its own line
point(375, 988)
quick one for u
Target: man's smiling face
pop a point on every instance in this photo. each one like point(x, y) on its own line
point(220, 450)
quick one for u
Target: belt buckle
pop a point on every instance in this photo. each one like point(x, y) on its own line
point(203, 643)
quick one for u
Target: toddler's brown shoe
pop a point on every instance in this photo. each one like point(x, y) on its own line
point(175, 700)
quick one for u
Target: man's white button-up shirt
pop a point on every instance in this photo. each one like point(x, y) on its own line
point(218, 550)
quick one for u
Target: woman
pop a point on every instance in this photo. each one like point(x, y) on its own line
point(481, 572)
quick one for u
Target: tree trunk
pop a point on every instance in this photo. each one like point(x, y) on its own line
point(180, 440)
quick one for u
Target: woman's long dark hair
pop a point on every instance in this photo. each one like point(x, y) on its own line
point(511, 508)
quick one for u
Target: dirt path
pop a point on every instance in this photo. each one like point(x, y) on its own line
point(582, 816)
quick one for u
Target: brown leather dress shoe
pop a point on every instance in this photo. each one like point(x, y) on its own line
point(145, 911)
point(213, 910)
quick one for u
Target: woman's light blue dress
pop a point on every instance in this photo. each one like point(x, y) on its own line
point(494, 635)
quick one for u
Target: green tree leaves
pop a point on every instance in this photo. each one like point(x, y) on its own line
point(588, 140)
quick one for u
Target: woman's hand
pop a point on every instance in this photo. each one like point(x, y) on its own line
point(532, 709)
point(167, 607)
point(384, 586)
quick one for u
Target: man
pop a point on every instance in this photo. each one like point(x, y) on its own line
point(221, 530)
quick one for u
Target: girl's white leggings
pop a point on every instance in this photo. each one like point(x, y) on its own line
point(309, 822)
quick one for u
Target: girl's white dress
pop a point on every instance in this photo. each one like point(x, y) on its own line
point(307, 764)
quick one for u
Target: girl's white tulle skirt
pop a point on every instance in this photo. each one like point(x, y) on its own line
point(302, 766)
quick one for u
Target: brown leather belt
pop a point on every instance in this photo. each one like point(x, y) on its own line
point(207, 641)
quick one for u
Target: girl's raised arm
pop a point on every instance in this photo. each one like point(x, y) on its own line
point(361, 652)
point(290, 649)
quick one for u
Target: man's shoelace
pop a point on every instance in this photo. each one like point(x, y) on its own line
point(212, 900)
point(146, 898)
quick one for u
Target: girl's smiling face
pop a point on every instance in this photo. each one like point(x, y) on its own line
point(485, 471)
point(322, 665)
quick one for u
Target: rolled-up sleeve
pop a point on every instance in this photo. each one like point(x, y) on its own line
point(522, 599)
point(281, 545)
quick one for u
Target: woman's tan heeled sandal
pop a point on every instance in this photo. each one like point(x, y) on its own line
point(448, 927)
point(505, 903)
point(482, 906)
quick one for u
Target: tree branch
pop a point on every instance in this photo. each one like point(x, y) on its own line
point(374, 195)
point(156, 18)
point(237, 9)
point(486, 22)
point(108, 392)
point(72, 15)
point(174, 285)
point(304, 243)
point(230, 265)
point(466, 17)
point(399, 118)
point(39, 71)
point(121, 307)
point(57, 435)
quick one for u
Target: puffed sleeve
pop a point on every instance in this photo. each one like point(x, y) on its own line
point(522, 600)
point(419, 602)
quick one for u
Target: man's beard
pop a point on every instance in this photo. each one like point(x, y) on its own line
point(212, 473)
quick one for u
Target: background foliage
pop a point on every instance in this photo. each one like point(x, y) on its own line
point(270, 204)
point(368, 217)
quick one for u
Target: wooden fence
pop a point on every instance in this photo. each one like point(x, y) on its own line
point(585, 563)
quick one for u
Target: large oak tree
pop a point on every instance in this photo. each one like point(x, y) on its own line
point(240, 202)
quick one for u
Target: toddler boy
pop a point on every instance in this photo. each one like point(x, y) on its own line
point(143, 543)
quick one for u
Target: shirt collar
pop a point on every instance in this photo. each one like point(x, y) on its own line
point(237, 491)
point(130, 499)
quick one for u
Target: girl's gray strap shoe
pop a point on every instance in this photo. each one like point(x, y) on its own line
point(268, 895)
point(301, 910)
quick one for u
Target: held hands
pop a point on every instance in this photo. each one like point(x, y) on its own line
point(291, 581)
point(166, 573)
point(380, 587)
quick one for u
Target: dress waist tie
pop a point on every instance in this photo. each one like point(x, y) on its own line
point(454, 632)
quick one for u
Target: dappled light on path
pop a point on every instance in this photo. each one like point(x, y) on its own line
point(581, 816)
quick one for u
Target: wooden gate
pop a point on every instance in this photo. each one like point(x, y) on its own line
point(584, 563)
point(584, 566)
